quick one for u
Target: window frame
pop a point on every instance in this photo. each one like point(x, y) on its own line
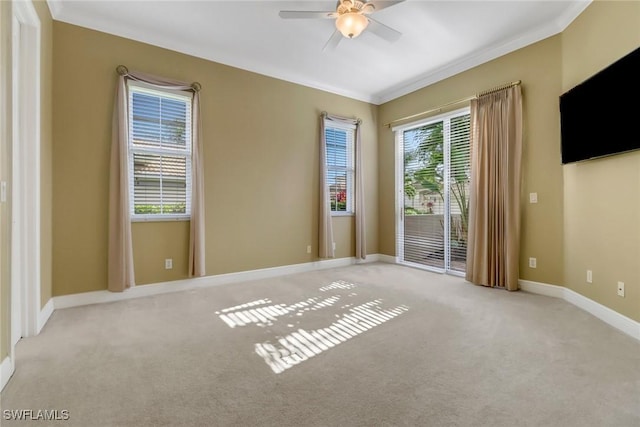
point(141, 87)
point(350, 169)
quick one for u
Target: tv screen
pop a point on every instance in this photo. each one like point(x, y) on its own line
point(601, 116)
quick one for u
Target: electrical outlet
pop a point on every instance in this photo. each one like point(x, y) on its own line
point(532, 263)
point(533, 197)
point(308, 249)
point(334, 246)
point(621, 289)
point(589, 276)
point(168, 264)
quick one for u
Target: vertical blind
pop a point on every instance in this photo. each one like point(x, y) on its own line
point(160, 146)
point(340, 167)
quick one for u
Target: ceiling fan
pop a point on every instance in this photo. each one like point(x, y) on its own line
point(352, 18)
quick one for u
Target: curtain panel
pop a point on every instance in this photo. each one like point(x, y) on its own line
point(120, 255)
point(325, 223)
point(493, 248)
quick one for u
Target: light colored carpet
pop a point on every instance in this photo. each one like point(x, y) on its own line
point(366, 345)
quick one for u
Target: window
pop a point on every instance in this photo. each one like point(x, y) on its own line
point(159, 153)
point(340, 166)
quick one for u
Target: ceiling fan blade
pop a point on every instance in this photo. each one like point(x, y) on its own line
point(378, 5)
point(303, 14)
point(333, 41)
point(382, 31)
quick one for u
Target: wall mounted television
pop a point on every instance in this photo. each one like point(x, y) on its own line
point(601, 116)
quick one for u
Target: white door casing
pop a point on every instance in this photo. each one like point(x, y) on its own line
point(25, 172)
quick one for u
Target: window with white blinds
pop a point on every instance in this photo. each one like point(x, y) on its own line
point(159, 153)
point(340, 166)
point(436, 191)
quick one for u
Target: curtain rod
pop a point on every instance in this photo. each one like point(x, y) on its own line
point(324, 114)
point(459, 101)
point(124, 71)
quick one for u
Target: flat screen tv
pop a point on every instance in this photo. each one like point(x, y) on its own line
point(601, 116)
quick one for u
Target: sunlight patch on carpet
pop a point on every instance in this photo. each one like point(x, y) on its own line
point(265, 315)
point(302, 345)
point(339, 284)
point(287, 351)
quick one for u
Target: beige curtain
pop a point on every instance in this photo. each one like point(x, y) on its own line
point(326, 228)
point(325, 244)
point(494, 205)
point(196, 232)
point(361, 241)
point(120, 267)
point(120, 262)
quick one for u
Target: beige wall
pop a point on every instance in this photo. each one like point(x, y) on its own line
point(602, 197)
point(538, 66)
point(260, 154)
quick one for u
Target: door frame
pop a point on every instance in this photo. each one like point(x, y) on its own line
point(24, 162)
point(399, 192)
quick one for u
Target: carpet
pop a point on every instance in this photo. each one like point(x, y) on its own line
point(366, 345)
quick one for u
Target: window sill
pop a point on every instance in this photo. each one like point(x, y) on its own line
point(159, 218)
point(343, 214)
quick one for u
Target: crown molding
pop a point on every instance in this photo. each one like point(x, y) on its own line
point(484, 56)
point(274, 70)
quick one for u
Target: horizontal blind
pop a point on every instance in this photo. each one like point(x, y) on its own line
point(424, 207)
point(159, 121)
point(160, 146)
point(459, 178)
point(340, 167)
point(159, 184)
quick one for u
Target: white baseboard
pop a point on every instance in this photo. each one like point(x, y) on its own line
point(45, 314)
point(607, 315)
point(97, 297)
point(6, 370)
point(385, 258)
point(542, 288)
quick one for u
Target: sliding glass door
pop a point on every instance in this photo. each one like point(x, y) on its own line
point(433, 192)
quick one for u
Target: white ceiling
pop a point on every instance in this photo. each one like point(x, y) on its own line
point(439, 38)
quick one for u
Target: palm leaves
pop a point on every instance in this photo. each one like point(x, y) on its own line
point(425, 167)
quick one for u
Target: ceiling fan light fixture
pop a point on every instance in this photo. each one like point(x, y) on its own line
point(351, 24)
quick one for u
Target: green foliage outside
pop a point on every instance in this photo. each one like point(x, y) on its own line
point(412, 211)
point(429, 154)
point(340, 207)
point(173, 208)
